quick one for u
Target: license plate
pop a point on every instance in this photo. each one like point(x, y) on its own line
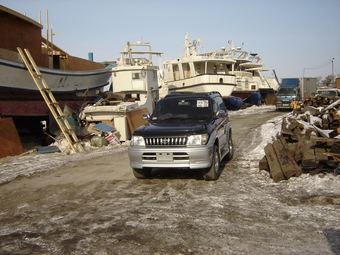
point(164, 156)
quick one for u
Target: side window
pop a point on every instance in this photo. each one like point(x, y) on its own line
point(215, 106)
point(220, 104)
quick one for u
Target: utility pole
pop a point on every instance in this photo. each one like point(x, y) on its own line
point(332, 82)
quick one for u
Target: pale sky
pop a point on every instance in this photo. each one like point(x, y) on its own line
point(294, 37)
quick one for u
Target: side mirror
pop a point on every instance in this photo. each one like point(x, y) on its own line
point(221, 114)
point(146, 116)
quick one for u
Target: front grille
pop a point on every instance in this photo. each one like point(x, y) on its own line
point(151, 156)
point(166, 141)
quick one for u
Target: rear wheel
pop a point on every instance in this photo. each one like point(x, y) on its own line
point(212, 172)
point(141, 173)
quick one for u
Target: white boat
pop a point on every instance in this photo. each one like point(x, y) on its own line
point(199, 72)
point(135, 91)
point(247, 69)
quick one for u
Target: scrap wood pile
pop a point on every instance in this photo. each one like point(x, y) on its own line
point(309, 142)
point(320, 100)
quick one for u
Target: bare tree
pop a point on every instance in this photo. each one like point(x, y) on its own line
point(328, 81)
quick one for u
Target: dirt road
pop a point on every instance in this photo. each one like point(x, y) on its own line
point(98, 207)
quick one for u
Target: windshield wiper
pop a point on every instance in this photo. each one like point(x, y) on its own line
point(171, 116)
point(202, 117)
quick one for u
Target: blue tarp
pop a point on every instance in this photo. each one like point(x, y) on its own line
point(233, 103)
point(255, 98)
point(103, 127)
point(47, 149)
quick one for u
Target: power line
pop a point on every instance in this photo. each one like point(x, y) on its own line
point(319, 66)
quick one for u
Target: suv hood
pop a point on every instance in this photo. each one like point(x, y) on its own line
point(150, 130)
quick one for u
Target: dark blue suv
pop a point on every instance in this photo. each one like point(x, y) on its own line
point(186, 130)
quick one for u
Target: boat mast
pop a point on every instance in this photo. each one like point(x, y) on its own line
point(186, 47)
point(47, 36)
point(276, 76)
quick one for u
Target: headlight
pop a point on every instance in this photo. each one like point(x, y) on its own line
point(137, 141)
point(198, 139)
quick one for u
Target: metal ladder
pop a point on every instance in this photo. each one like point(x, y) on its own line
point(52, 104)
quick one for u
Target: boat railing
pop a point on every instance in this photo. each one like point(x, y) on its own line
point(206, 79)
point(242, 74)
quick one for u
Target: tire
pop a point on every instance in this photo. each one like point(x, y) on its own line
point(141, 173)
point(212, 172)
point(230, 154)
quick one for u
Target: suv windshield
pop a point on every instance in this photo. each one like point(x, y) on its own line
point(182, 109)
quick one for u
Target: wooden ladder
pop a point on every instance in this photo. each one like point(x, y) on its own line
point(52, 104)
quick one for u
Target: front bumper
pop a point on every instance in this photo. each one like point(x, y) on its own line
point(171, 157)
point(284, 105)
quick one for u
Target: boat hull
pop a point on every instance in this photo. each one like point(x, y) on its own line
point(224, 89)
point(224, 84)
point(20, 96)
point(242, 94)
point(15, 76)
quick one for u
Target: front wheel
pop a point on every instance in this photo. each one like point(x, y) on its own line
point(212, 172)
point(141, 173)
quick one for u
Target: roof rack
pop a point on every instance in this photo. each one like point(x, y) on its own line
point(191, 93)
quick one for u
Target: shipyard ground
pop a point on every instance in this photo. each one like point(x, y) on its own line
point(96, 206)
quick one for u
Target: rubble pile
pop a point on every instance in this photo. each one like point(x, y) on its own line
point(308, 142)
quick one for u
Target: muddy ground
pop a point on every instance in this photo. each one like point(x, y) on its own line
point(96, 206)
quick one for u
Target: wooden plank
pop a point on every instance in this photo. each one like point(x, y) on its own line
point(335, 156)
point(327, 141)
point(296, 134)
point(9, 139)
point(135, 119)
point(313, 110)
point(292, 148)
point(292, 123)
point(299, 149)
point(288, 165)
point(334, 133)
point(274, 165)
point(308, 158)
point(263, 164)
point(320, 155)
point(299, 123)
point(334, 104)
point(324, 118)
point(335, 148)
point(285, 127)
point(322, 132)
